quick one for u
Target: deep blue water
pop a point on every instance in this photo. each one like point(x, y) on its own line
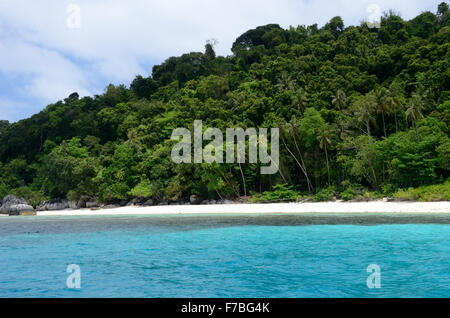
point(223, 257)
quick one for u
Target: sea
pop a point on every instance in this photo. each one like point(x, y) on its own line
point(226, 256)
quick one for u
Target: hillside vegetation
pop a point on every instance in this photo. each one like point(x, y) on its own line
point(360, 110)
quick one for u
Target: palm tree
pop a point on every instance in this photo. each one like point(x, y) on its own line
point(291, 128)
point(134, 140)
point(243, 179)
point(414, 111)
point(324, 140)
point(364, 110)
point(302, 78)
point(339, 101)
point(300, 99)
point(284, 82)
point(381, 96)
point(395, 100)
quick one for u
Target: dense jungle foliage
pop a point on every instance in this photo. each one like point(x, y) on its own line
point(360, 110)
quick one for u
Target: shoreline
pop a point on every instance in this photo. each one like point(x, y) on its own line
point(442, 207)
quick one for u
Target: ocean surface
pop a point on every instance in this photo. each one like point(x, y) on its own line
point(226, 256)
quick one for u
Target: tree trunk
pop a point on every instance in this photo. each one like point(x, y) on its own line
point(310, 186)
point(328, 166)
point(396, 123)
point(230, 184)
point(218, 193)
point(243, 179)
point(374, 177)
point(40, 147)
point(299, 164)
point(417, 132)
point(384, 124)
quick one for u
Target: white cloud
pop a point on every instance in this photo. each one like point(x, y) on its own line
point(13, 109)
point(118, 37)
point(50, 73)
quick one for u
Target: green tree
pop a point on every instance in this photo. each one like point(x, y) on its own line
point(414, 111)
point(339, 100)
point(366, 159)
point(363, 110)
point(382, 97)
point(3, 125)
point(395, 101)
point(324, 140)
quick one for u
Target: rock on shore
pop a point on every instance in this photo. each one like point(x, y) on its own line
point(14, 205)
point(53, 205)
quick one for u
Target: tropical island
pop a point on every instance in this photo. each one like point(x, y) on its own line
point(363, 114)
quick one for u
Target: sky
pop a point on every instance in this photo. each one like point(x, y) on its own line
point(52, 48)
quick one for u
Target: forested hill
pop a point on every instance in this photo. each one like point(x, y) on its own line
point(360, 110)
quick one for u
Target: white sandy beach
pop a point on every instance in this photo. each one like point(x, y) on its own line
point(274, 208)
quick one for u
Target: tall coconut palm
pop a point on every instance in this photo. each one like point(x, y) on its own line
point(395, 100)
point(300, 99)
point(243, 179)
point(324, 140)
point(381, 97)
point(364, 109)
point(339, 101)
point(291, 130)
point(414, 111)
point(284, 82)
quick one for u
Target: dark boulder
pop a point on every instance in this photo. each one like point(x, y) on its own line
point(57, 204)
point(14, 205)
point(81, 204)
point(73, 205)
point(53, 205)
point(195, 199)
point(92, 204)
point(136, 202)
point(41, 206)
point(148, 203)
point(12, 199)
point(19, 209)
point(228, 202)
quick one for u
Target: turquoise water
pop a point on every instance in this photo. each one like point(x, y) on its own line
point(219, 257)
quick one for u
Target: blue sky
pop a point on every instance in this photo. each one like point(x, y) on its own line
point(51, 48)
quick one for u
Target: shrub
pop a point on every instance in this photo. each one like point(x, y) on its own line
point(348, 194)
point(325, 194)
point(72, 195)
point(280, 192)
point(389, 189)
point(114, 192)
point(142, 190)
point(437, 192)
point(4, 191)
point(351, 191)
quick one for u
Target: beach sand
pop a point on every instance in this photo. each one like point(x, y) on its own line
point(272, 208)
